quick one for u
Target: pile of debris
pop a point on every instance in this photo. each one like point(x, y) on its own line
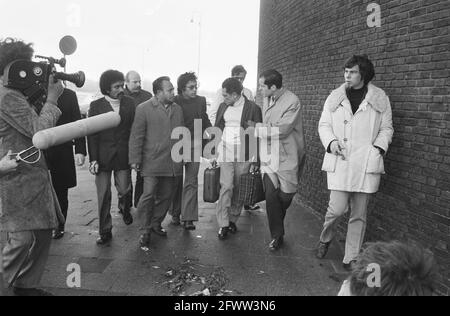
point(193, 279)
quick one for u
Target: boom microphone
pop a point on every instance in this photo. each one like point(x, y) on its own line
point(59, 135)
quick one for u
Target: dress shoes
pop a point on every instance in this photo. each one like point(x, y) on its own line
point(276, 244)
point(104, 239)
point(57, 234)
point(189, 225)
point(223, 233)
point(159, 231)
point(127, 218)
point(233, 228)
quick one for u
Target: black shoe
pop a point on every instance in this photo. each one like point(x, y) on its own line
point(144, 241)
point(160, 231)
point(104, 239)
point(58, 234)
point(252, 207)
point(232, 228)
point(223, 233)
point(276, 244)
point(127, 218)
point(189, 225)
point(30, 292)
point(322, 250)
point(349, 266)
point(175, 221)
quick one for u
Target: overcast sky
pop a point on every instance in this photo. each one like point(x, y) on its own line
point(154, 37)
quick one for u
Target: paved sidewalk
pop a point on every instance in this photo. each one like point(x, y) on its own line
point(183, 263)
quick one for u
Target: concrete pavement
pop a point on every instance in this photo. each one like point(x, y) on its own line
point(186, 263)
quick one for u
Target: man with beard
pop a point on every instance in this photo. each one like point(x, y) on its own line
point(108, 152)
point(134, 90)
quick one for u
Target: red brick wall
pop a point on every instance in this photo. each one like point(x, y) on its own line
point(308, 41)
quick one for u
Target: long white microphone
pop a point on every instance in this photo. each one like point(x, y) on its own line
point(48, 138)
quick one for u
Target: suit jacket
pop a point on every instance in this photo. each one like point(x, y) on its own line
point(60, 159)
point(27, 198)
point(151, 143)
point(110, 148)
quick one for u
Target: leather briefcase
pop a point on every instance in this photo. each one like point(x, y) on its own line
point(211, 185)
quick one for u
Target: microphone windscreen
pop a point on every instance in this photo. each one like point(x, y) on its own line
point(59, 135)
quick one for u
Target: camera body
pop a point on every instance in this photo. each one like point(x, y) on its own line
point(32, 78)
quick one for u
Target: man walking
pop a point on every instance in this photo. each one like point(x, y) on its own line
point(356, 130)
point(134, 90)
point(151, 155)
point(108, 152)
point(282, 123)
point(185, 200)
point(235, 156)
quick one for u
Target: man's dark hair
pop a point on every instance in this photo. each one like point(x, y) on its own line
point(12, 50)
point(272, 78)
point(233, 85)
point(184, 79)
point(237, 70)
point(366, 67)
point(158, 84)
point(406, 270)
point(108, 78)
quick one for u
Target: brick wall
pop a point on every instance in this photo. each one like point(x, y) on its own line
point(308, 41)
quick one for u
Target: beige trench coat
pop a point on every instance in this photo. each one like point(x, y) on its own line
point(282, 137)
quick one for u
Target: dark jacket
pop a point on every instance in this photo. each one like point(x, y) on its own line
point(110, 148)
point(139, 97)
point(60, 159)
point(151, 143)
point(28, 200)
point(195, 109)
point(251, 112)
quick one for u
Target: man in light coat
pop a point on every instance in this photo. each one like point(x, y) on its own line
point(356, 130)
point(282, 138)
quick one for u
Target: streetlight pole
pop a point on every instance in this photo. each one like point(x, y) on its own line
point(199, 40)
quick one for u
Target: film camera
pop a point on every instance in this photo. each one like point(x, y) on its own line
point(32, 78)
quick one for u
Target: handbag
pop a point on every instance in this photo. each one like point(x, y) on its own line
point(251, 189)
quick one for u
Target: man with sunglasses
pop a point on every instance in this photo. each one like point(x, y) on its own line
point(29, 207)
point(185, 201)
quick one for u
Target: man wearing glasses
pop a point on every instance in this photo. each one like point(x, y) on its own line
point(185, 201)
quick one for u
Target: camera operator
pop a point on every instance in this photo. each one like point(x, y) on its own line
point(29, 208)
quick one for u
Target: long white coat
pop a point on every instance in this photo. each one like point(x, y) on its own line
point(360, 134)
